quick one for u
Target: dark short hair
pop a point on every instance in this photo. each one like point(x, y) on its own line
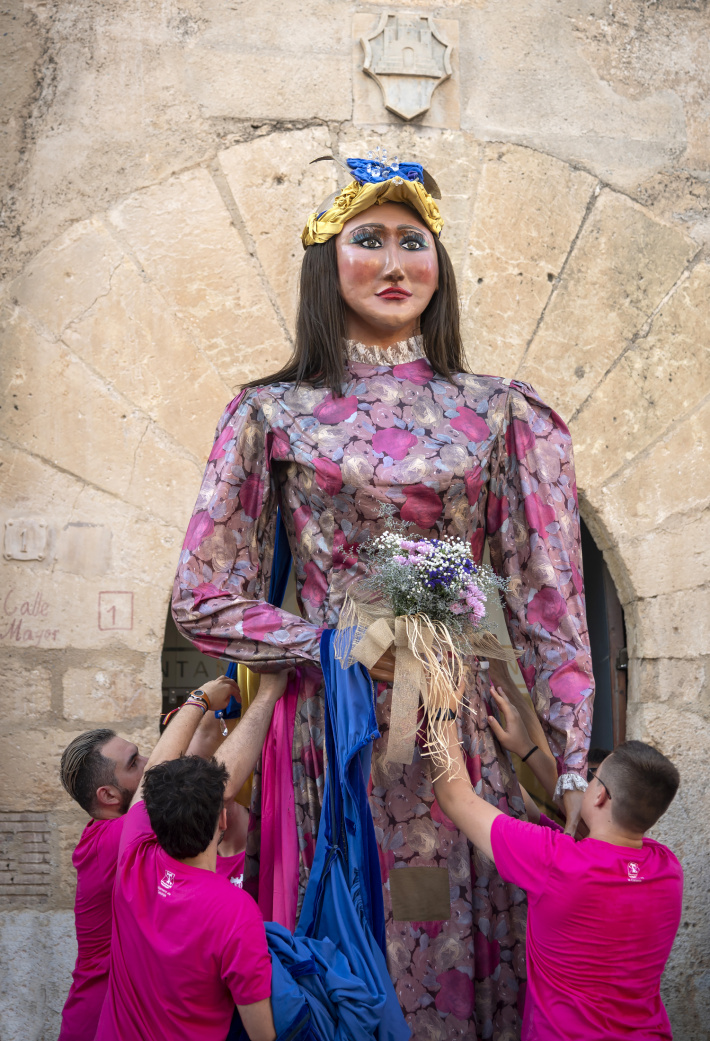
point(597, 755)
point(83, 768)
point(183, 798)
point(642, 783)
point(318, 357)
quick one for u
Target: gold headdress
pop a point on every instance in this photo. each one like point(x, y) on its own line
point(375, 183)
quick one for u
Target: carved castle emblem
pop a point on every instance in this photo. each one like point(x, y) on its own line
point(408, 58)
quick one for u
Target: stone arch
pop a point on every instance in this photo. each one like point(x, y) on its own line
point(127, 335)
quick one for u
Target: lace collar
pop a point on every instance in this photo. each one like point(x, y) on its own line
point(397, 354)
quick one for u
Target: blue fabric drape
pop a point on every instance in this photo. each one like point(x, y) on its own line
point(343, 899)
point(330, 981)
point(315, 994)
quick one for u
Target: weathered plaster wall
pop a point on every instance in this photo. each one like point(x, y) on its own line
point(155, 162)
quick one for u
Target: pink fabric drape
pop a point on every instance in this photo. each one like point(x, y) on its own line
point(278, 861)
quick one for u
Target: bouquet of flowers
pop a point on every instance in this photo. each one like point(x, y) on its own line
point(434, 577)
point(428, 597)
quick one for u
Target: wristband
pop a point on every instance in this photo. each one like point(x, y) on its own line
point(200, 694)
point(190, 700)
point(533, 749)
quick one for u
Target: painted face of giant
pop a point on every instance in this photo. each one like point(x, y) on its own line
point(388, 272)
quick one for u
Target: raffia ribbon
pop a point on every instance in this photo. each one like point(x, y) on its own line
point(428, 667)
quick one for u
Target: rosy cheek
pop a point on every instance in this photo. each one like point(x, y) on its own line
point(358, 269)
point(422, 267)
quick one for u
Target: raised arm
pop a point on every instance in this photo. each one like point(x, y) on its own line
point(208, 736)
point(457, 799)
point(533, 528)
point(179, 732)
point(242, 748)
point(222, 582)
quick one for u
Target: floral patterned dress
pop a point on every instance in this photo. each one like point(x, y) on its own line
point(476, 457)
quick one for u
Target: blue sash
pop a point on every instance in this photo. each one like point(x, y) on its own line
point(343, 899)
point(330, 980)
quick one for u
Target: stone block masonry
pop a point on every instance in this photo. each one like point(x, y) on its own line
point(156, 179)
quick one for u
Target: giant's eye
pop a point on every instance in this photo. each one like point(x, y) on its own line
point(413, 240)
point(366, 237)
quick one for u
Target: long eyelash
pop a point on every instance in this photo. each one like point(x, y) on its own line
point(413, 236)
point(363, 234)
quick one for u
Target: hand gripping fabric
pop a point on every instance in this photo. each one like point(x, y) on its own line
point(343, 899)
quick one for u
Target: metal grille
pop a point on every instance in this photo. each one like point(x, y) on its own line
point(25, 862)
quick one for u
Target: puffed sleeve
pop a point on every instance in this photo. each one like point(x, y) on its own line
point(532, 522)
point(219, 597)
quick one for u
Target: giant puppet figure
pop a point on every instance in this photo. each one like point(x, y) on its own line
point(376, 407)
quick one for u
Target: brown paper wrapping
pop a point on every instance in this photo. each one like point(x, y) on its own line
point(429, 667)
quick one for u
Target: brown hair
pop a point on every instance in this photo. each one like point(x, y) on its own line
point(320, 324)
point(83, 768)
point(642, 783)
point(184, 798)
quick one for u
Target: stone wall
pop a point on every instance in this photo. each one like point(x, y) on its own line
point(156, 179)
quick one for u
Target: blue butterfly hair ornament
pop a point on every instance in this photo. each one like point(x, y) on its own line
point(375, 181)
point(367, 172)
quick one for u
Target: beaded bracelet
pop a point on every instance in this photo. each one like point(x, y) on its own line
point(195, 701)
point(192, 699)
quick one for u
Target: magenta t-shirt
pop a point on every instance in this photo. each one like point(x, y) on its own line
point(187, 946)
point(95, 860)
point(601, 924)
point(232, 868)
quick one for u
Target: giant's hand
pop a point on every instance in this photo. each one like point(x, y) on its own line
point(572, 802)
point(383, 669)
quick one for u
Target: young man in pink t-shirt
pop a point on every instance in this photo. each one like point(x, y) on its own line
point(101, 771)
point(231, 850)
point(188, 945)
point(602, 912)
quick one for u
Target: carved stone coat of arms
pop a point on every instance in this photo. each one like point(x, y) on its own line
point(408, 58)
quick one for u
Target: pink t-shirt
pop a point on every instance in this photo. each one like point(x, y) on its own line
point(232, 868)
point(187, 946)
point(95, 860)
point(601, 924)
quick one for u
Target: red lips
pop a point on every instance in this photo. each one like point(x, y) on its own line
point(394, 293)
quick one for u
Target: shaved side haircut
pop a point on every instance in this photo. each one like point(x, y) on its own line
point(642, 783)
point(83, 768)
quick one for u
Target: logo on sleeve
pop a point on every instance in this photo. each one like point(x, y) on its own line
point(166, 882)
point(237, 880)
point(633, 872)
